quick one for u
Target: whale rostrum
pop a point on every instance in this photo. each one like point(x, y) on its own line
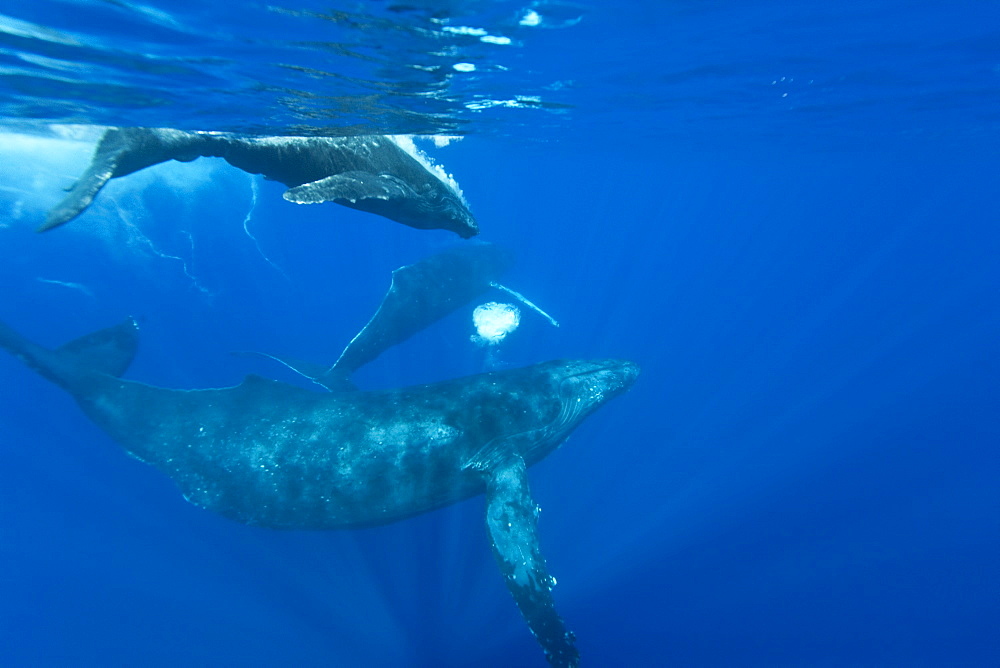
point(271, 454)
point(373, 173)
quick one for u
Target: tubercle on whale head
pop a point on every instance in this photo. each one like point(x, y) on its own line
point(469, 230)
point(591, 383)
point(579, 387)
point(442, 209)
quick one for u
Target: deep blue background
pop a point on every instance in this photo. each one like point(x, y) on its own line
point(806, 472)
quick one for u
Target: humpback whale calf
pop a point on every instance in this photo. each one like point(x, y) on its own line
point(271, 454)
point(372, 173)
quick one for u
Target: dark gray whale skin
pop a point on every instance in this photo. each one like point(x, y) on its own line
point(421, 294)
point(271, 454)
point(370, 173)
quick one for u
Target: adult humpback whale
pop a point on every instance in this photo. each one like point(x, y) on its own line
point(275, 455)
point(371, 173)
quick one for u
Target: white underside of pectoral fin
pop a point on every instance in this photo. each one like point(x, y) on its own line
point(349, 187)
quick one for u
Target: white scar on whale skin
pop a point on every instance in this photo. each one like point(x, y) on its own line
point(67, 284)
point(524, 300)
point(254, 189)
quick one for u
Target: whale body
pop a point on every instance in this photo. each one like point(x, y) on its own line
point(372, 173)
point(271, 454)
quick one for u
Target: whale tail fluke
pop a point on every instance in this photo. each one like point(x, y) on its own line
point(107, 351)
point(121, 151)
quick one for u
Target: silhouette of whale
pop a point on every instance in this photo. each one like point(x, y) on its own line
point(271, 454)
point(371, 173)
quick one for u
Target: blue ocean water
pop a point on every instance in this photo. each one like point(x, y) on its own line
point(786, 213)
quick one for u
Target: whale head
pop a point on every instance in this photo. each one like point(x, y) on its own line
point(586, 385)
point(582, 386)
point(543, 404)
point(576, 388)
point(431, 206)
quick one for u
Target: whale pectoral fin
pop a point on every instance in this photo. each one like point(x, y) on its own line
point(317, 373)
point(421, 294)
point(305, 369)
point(511, 519)
point(350, 188)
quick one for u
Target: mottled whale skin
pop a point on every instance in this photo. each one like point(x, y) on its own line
point(272, 454)
point(370, 173)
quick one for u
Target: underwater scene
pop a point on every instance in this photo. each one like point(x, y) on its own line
point(449, 333)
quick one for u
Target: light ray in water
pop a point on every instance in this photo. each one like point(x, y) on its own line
point(67, 284)
point(524, 300)
point(246, 228)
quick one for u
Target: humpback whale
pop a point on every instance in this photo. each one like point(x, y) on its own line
point(370, 173)
point(271, 454)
